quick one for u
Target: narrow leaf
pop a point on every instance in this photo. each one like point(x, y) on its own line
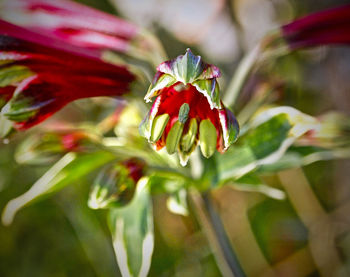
point(252, 182)
point(269, 136)
point(67, 170)
point(132, 232)
point(177, 203)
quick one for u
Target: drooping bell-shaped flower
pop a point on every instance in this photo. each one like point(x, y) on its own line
point(72, 22)
point(40, 74)
point(326, 27)
point(188, 110)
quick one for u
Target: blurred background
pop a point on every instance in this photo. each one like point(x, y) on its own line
point(307, 234)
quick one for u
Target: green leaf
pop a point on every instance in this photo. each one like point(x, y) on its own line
point(177, 203)
point(5, 126)
point(132, 232)
point(251, 182)
point(304, 155)
point(268, 137)
point(69, 169)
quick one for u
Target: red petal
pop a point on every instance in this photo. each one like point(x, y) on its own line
point(6, 94)
point(171, 101)
point(326, 27)
point(62, 76)
point(48, 93)
point(54, 18)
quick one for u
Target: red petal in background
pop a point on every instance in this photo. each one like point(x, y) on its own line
point(60, 77)
point(321, 28)
point(71, 22)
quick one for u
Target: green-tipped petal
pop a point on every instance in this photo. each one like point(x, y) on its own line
point(207, 138)
point(230, 127)
point(188, 68)
point(173, 137)
point(158, 126)
point(160, 81)
point(210, 89)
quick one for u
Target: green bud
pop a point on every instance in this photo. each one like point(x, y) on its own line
point(189, 138)
point(158, 126)
point(183, 113)
point(112, 187)
point(207, 138)
point(174, 136)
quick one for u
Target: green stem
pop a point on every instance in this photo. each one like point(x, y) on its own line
point(269, 47)
point(243, 70)
point(214, 230)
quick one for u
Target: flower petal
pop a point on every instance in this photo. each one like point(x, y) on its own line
point(9, 31)
point(6, 94)
point(326, 27)
point(39, 96)
point(210, 89)
point(50, 76)
point(160, 81)
point(230, 127)
point(72, 22)
point(188, 68)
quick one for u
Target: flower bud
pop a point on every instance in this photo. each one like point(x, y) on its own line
point(115, 185)
point(187, 96)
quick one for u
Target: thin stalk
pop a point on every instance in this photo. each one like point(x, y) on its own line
point(214, 230)
point(270, 47)
point(243, 70)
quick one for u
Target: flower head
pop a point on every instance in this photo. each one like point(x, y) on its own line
point(188, 110)
point(321, 28)
point(39, 75)
point(71, 22)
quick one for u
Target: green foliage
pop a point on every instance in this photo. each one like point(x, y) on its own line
point(268, 137)
point(132, 232)
point(252, 182)
point(272, 139)
point(69, 169)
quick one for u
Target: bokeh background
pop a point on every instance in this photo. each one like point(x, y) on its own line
point(307, 234)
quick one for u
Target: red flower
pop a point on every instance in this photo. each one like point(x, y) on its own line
point(188, 110)
point(321, 28)
point(71, 22)
point(40, 74)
